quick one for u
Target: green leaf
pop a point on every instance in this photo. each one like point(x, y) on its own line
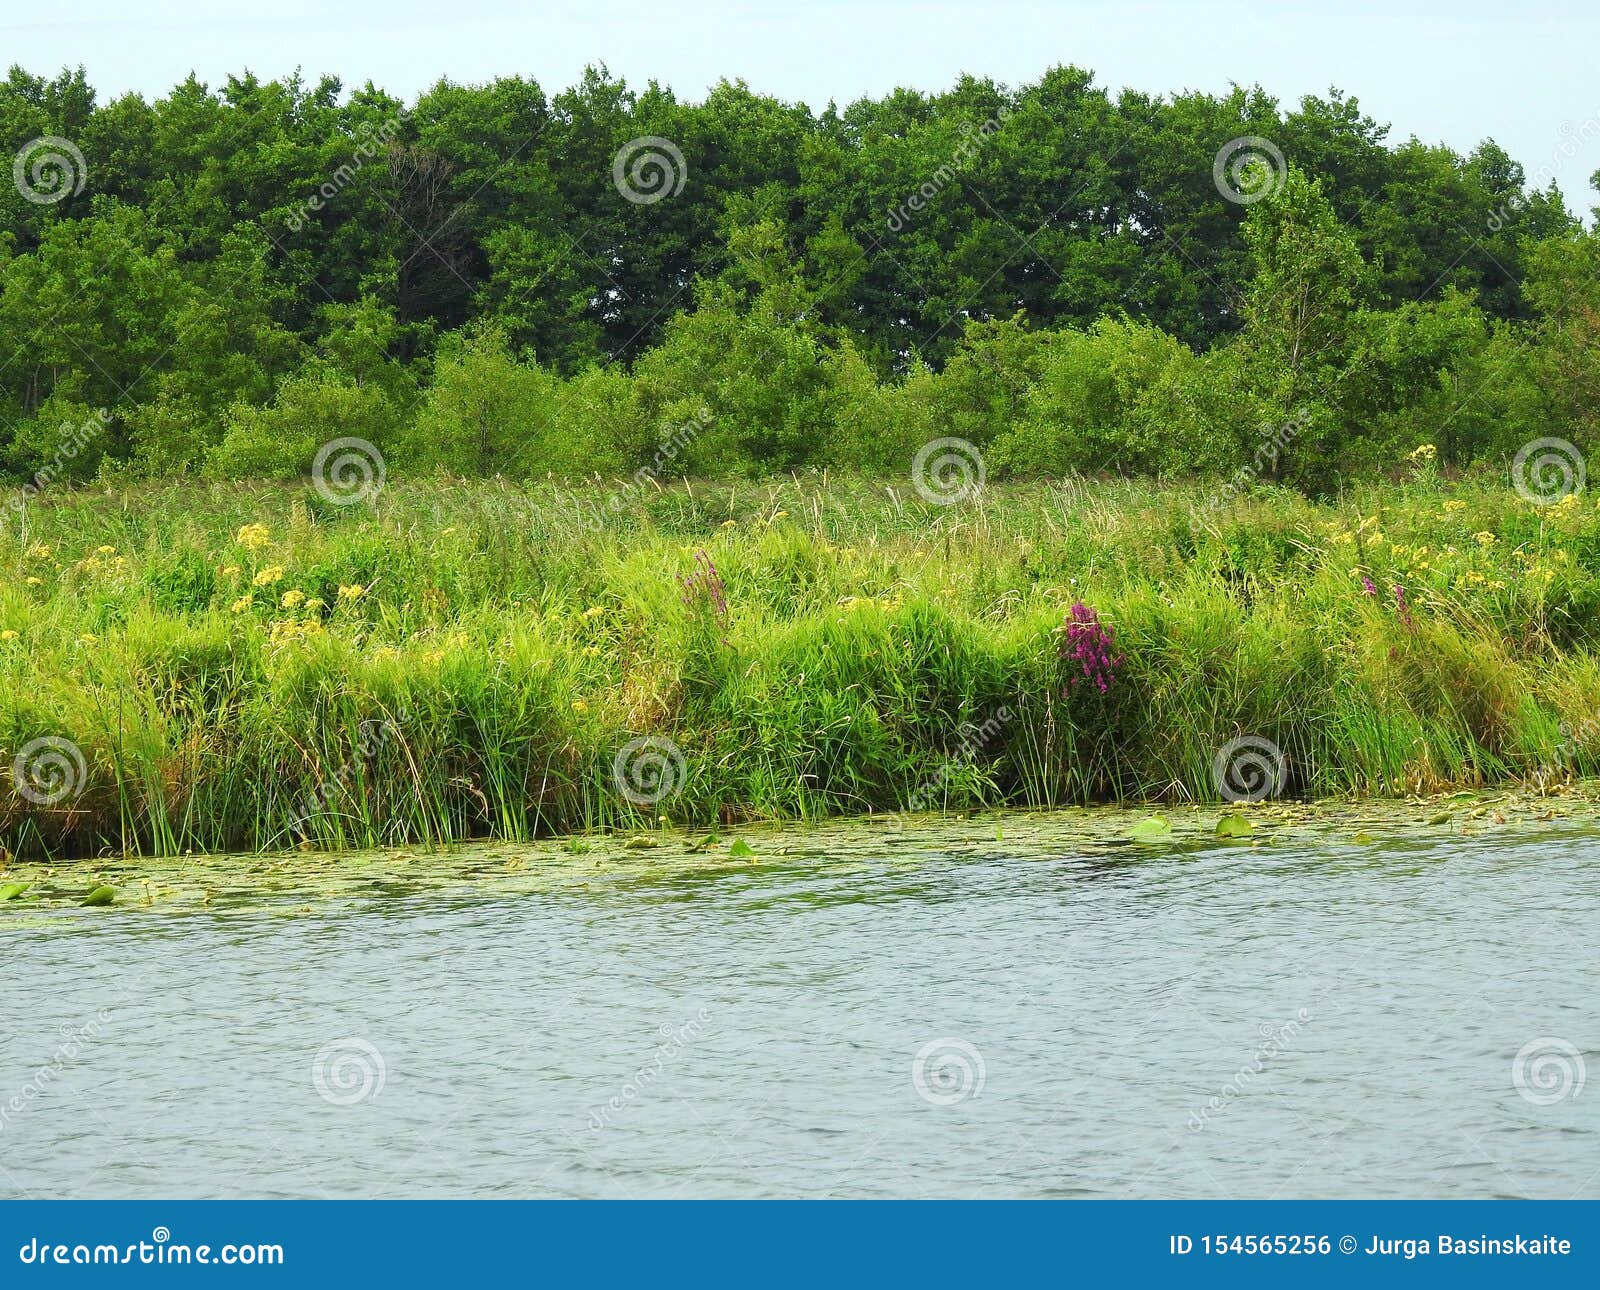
point(1155, 828)
point(11, 890)
point(1234, 826)
point(1364, 838)
point(642, 842)
point(1442, 818)
point(742, 850)
point(100, 896)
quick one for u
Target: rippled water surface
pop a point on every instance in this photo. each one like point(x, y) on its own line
point(852, 1013)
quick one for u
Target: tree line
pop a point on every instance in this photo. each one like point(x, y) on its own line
point(496, 280)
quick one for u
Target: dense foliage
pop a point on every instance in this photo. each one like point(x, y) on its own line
point(234, 276)
point(222, 666)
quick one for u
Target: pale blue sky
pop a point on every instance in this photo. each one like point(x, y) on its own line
point(1453, 72)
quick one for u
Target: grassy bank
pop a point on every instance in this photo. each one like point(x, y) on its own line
point(246, 667)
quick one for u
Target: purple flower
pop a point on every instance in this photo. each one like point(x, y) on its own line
point(1368, 586)
point(1087, 642)
point(1403, 609)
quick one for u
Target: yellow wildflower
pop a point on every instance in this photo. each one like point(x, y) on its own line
point(728, 524)
point(293, 599)
point(591, 651)
point(8, 635)
point(1423, 452)
point(105, 550)
point(1453, 505)
point(253, 536)
point(1484, 538)
point(578, 705)
point(35, 582)
point(240, 605)
point(88, 638)
point(351, 591)
point(593, 611)
point(315, 603)
point(268, 576)
point(230, 570)
point(40, 552)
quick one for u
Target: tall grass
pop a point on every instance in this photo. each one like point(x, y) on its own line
point(244, 667)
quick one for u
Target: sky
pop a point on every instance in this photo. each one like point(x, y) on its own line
point(1451, 71)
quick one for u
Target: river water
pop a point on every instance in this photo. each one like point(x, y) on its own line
point(895, 1014)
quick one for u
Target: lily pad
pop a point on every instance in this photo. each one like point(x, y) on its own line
point(11, 890)
point(1234, 825)
point(1153, 828)
point(741, 850)
point(1442, 818)
point(101, 895)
